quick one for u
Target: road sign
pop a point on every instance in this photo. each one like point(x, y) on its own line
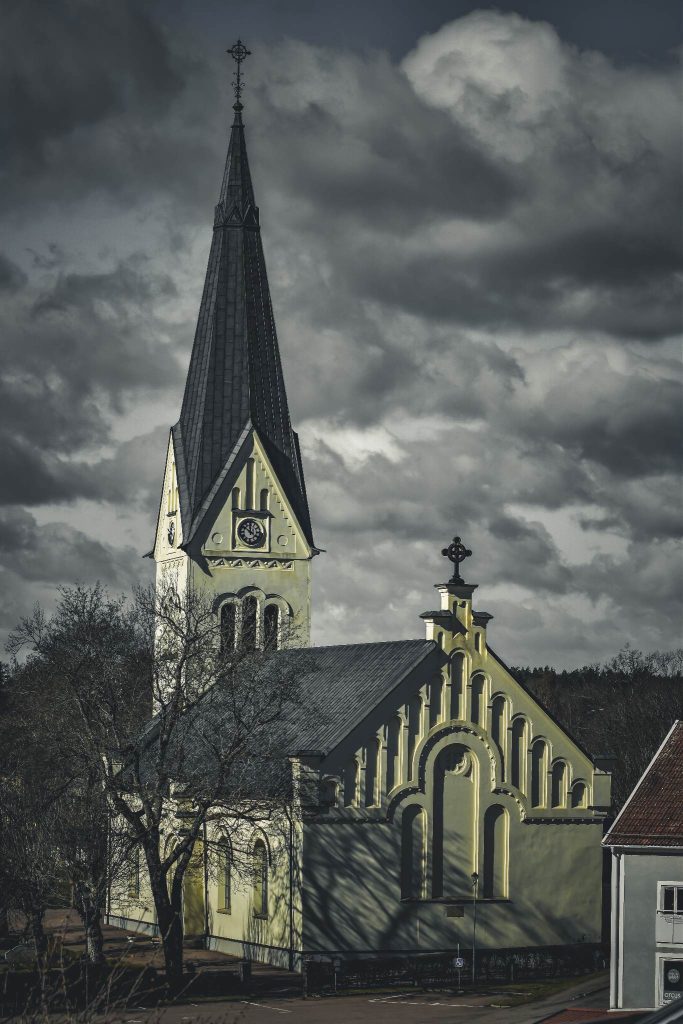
point(459, 962)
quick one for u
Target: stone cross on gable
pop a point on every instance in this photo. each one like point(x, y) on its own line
point(456, 552)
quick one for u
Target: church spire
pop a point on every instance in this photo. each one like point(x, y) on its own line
point(235, 383)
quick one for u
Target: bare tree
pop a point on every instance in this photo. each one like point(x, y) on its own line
point(181, 732)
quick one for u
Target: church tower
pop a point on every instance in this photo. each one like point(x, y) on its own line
point(233, 517)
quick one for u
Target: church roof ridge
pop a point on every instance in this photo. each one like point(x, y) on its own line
point(235, 377)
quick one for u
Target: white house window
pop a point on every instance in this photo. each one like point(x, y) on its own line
point(669, 928)
point(671, 899)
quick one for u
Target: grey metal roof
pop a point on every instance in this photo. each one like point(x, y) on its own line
point(235, 381)
point(342, 684)
point(338, 688)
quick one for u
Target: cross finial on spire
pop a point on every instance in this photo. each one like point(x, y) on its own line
point(238, 52)
point(456, 552)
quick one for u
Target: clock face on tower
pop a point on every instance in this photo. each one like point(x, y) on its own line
point(251, 532)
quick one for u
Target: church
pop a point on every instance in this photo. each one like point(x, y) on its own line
point(436, 787)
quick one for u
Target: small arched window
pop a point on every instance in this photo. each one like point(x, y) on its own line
point(496, 827)
point(393, 753)
point(498, 726)
point(413, 853)
point(414, 734)
point(260, 869)
point(264, 499)
point(478, 699)
point(225, 877)
point(579, 794)
point(435, 703)
point(134, 874)
point(228, 627)
point(373, 772)
point(249, 623)
point(352, 783)
point(456, 710)
point(539, 761)
point(559, 784)
point(271, 625)
point(236, 497)
point(518, 758)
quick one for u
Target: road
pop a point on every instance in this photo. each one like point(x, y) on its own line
point(421, 1008)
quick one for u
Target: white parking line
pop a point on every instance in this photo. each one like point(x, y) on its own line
point(393, 1000)
point(264, 1006)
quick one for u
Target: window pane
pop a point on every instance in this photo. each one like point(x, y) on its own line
point(668, 898)
point(679, 899)
point(249, 613)
point(270, 624)
point(228, 627)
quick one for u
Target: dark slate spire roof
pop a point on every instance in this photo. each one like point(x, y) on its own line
point(235, 380)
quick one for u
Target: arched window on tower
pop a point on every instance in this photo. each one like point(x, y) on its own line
point(271, 627)
point(260, 878)
point(264, 499)
point(559, 784)
point(413, 853)
point(228, 627)
point(539, 770)
point(249, 623)
point(496, 826)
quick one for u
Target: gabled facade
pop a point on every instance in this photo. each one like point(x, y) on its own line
point(646, 842)
point(428, 779)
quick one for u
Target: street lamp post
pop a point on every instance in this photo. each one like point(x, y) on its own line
point(475, 886)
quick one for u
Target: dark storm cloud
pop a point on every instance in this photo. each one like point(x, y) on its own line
point(91, 87)
point(12, 278)
point(379, 156)
point(48, 553)
point(75, 352)
point(470, 254)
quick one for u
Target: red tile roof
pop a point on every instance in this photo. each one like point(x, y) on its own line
point(653, 814)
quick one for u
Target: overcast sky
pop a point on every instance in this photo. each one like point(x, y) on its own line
point(471, 222)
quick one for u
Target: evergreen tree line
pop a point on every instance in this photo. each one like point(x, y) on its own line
point(622, 708)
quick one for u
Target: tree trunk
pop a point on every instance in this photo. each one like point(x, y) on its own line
point(171, 931)
point(39, 936)
point(90, 913)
